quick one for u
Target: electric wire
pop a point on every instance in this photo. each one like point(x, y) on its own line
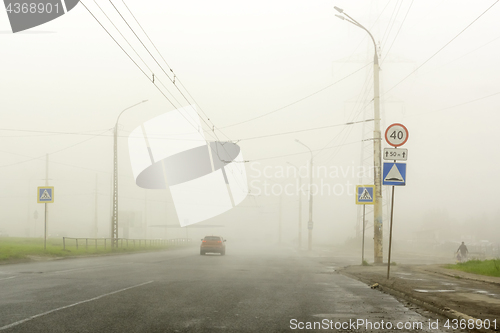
point(173, 82)
point(456, 105)
point(353, 115)
point(170, 68)
point(152, 80)
point(128, 55)
point(392, 19)
point(472, 51)
point(304, 130)
point(213, 127)
point(156, 61)
point(46, 133)
point(54, 152)
point(297, 101)
point(301, 153)
point(397, 33)
point(133, 49)
point(443, 47)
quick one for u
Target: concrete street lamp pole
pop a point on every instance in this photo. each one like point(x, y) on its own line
point(114, 217)
point(310, 222)
point(299, 245)
point(377, 210)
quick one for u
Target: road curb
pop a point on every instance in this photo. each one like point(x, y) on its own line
point(459, 275)
point(446, 312)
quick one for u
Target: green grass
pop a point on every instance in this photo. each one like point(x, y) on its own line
point(482, 267)
point(365, 263)
point(13, 248)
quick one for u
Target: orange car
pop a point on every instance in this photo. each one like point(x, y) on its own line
point(213, 244)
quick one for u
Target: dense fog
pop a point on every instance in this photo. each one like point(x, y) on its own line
point(262, 75)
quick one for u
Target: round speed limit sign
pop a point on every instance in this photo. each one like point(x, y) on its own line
point(396, 135)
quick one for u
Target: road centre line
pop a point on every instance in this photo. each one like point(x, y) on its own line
point(69, 306)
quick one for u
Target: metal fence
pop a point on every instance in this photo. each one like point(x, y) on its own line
point(123, 242)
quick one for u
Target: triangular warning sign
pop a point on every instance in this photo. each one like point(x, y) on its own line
point(365, 195)
point(394, 175)
point(45, 195)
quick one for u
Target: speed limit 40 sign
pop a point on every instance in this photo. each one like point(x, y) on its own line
point(396, 135)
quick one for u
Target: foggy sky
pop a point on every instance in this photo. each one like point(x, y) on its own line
point(239, 61)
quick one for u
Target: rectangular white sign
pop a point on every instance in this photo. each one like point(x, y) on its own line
point(398, 154)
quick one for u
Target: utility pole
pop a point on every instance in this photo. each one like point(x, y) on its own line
point(45, 204)
point(96, 215)
point(310, 222)
point(114, 217)
point(145, 223)
point(299, 245)
point(300, 213)
point(281, 216)
point(114, 206)
point(377, 138)
point(377, 162)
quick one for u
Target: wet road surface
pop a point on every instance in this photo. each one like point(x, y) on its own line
point(269, 290)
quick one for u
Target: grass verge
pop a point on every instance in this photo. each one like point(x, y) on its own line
point(13, 248)
point(482, 267)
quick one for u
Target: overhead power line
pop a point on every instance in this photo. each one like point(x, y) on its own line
point(213, 133)
point(51, 153)
point(443, 47)
point(128, 55)
point(301, 153)
point(172, 80)
point(151, 79)
point(297, 101)
point(457, 105)
point(304, 130)
point(399, 30)
point(392, 20)
point(176, 79)
point(47, 133)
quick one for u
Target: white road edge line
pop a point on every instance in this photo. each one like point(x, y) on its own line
point(11, 277)
point(69, 306)
point(78, 269)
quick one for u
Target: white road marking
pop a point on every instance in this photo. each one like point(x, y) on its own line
point(79, 269)
point(88, 267)
point(69, 306)
point(11, 277)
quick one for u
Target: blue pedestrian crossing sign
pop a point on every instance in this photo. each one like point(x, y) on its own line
point(365, 194)
point(394, 174)
point(45, 194)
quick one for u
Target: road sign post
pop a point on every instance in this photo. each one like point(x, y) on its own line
point(394, 174)
point(365, 195)
point(363, 241)
point(390, 234)
point(45, 195)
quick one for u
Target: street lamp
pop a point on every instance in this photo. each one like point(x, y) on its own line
point(377, 209)
point(300, 206)
point(114, 217)
point(310, 222)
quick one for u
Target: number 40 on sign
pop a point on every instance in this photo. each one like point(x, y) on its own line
point(396, 135)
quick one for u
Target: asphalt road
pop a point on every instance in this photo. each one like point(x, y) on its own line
point(247, 290)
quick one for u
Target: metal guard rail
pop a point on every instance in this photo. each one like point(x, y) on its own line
point(134, 242)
